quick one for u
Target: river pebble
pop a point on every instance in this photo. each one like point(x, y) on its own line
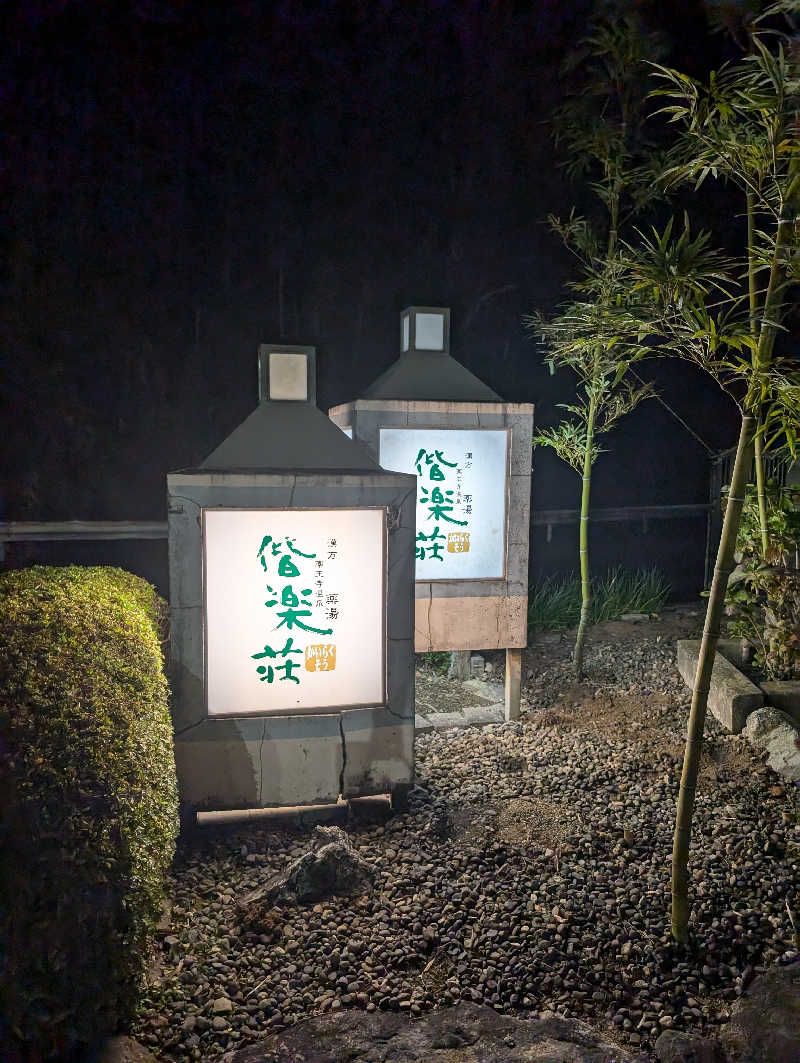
point(531, 873)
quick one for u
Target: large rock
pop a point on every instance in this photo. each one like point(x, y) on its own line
point(674, 1046)
point(731, 697)
point(331, 868)
point(124, 1050)
point(761, 723)
point(774, 731)
point(765, 1022)
point(464, 1033)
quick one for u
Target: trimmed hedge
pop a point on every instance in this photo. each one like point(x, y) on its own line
point(88, 804)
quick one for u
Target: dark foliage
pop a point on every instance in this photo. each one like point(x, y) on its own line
point(89, 804)
point(763, 599)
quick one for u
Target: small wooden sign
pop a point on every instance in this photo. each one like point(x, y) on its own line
point(321, 657)
point(458, 542)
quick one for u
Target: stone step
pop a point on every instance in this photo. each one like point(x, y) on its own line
point(732, 697)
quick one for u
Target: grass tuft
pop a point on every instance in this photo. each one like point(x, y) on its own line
point(555, 603)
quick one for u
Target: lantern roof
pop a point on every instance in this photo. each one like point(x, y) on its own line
point(288, 433)
point(430, 378)
point(425, 370)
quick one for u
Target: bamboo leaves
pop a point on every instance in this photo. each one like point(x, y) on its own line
point(601, 126)
point(742, 127)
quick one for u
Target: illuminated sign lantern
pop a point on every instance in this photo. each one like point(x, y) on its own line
point(428, 416)
point(292, 677)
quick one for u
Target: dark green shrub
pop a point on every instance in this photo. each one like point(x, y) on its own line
point(88, 801)
point(555, 603)
point(437, 661)
point(763, 598)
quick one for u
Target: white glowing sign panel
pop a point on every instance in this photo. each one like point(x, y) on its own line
point(294, 609)
point(461, 497)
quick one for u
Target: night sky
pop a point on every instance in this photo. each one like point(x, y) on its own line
point(182, 181)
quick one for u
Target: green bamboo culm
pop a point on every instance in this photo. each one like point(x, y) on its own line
point(697, 713)
point(583, 535)
point(753, 307)
point(601, 127)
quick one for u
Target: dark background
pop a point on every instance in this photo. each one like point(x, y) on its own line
point(183, 181)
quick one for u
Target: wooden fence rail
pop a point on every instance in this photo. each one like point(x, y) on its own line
point(20, 531)
point(41, 531)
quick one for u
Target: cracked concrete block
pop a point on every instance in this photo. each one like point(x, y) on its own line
point(378, 750)
point(260, 763)
point(732, 697)
point(400, 677)
point(422, 724)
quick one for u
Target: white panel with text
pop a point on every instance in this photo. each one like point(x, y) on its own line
point(294, 609)
point(461, 497)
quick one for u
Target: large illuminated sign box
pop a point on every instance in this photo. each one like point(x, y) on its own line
point(291, 576)
point(247, 735)
point(294, 610)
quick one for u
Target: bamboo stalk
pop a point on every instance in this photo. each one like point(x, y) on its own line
point(702, 682)
point(753, 299)
point(773, 309)
point(773, 301)
point(583, 540)
point(586, 483)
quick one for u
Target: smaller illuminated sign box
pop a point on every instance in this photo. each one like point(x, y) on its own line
point(294, 603)
point(470, 452)
point(291, 600)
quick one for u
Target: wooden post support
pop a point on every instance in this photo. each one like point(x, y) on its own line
point(459, 664)
point(513, 683)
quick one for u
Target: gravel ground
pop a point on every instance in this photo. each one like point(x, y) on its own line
point(531, 874)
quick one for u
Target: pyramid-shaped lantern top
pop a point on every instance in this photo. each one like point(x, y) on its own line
point(287, 432)
point(425, 371)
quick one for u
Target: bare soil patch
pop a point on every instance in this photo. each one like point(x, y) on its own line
point(434, 693)
point(529, 821)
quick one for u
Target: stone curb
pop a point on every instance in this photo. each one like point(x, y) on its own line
point(732, 697)
point(739, 706)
